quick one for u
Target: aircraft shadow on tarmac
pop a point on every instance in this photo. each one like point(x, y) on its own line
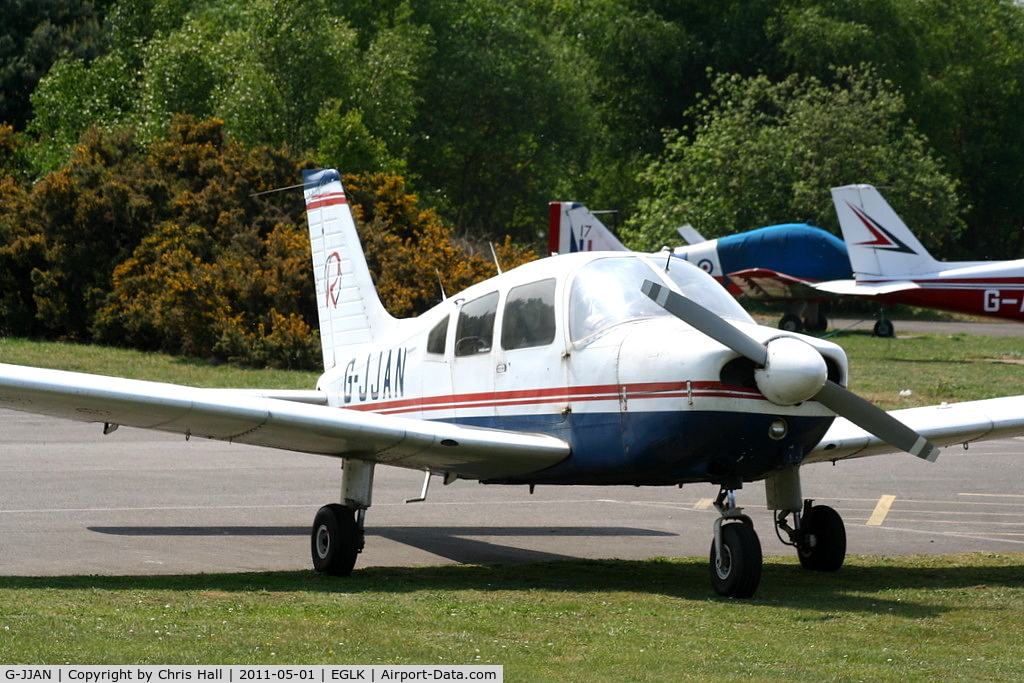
point(463, 545)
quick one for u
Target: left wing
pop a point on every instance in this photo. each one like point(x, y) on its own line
point(265, 420)
point(943, 425)
point(865, 289)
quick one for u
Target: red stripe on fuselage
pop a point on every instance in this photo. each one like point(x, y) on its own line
point(538, 397)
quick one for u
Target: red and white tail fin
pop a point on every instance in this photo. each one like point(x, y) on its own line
point(350, 310)
point(878, 241)
point(572, 227)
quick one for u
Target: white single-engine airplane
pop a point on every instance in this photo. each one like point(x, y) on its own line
point(589, 368)
point(891, 266)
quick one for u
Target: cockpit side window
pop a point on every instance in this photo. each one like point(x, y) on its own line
point(437, 337)
point(529, 316)
point(474, 332)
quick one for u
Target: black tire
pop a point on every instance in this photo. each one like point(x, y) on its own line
point(791, 323)
point(740, 572)
point(336, 540)
point(829, 549)
point(884, 328)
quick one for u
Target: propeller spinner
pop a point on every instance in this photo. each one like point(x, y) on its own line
point(791, 371)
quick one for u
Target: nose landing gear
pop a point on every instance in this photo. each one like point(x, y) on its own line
point(735, 560)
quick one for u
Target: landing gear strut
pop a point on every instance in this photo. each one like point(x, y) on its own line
point(735, 560)
point(816, 531)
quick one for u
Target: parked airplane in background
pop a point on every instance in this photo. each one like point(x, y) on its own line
point(775, 263)
point(891, 266)
point(594, 368)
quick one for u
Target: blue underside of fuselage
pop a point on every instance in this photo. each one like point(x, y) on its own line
point(664, 448)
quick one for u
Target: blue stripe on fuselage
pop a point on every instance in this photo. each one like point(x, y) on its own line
point(663, 448)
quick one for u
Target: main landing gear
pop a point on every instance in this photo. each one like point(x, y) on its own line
point(337, 537)
point(883, 327)
point(803, 316)
point(816, 531)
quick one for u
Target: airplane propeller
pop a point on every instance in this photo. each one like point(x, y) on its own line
point(790, 371)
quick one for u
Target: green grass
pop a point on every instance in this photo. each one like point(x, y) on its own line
point(934, 368)
point(913, 618)
point(907, 618)
point(151, 366)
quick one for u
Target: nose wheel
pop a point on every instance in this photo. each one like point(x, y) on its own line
point(735, 561)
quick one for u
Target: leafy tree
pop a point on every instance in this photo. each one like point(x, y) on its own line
point(35, 33)
point(225, 273)
point(763, 153)
point(500, 120)
point(958, 66)
point(20, 250)
point(89, 215)
point(74, 97)
point(411, 251)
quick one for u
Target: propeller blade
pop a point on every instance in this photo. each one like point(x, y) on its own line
point(843, 402)
point(874, 420)
point(707, 322)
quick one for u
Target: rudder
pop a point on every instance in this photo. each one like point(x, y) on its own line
point(877, 239)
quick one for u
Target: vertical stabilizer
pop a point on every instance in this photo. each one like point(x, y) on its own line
point(572, 227)
point(878, 241)
point(349, 308)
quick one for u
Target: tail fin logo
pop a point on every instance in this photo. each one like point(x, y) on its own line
point(332, 276)
point(881, 239)
point(579, 245)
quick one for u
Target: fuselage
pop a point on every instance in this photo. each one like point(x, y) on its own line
point(991, 288)
point(795, 249)
point(569, 346)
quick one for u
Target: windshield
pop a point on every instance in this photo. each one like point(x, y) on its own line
point(695, 284)
point(606, 292)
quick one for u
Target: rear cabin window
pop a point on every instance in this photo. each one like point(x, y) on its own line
point(437, 337)
point(529, 317)
point(475, 330)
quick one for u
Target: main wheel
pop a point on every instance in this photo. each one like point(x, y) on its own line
point(884, 328)
point(737, 573)
point(829, 548)
point(336, 540)
point(819, 323)
point(791, 323)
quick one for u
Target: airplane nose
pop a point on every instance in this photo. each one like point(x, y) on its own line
point(793, 372)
